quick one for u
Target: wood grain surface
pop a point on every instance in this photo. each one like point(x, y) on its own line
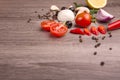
point(28, 53)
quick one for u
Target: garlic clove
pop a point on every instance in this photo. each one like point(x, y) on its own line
point(54, 8)
point(82, 9)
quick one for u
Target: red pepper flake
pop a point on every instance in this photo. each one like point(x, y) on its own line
point(77, 31)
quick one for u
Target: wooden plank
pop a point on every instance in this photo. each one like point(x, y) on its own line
point(27, 53)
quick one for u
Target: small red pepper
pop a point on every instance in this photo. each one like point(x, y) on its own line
point(114, 25)
point(77, 31)
point(94, 30)
point(87, 32)
point(102, 29)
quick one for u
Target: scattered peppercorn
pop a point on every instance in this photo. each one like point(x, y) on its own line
point(95, 38)
point(29, 20)
point(109, 32)
point(80, 40)
point(35, 11)
point(102, 63)
point(95, 53)
point(110, 35)
point(80, 36)
point(110, 48)
point(39, 16)
point(103, 37)
point(97, 45)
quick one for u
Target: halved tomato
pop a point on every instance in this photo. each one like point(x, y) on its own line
point(59, 30)
point(46, 24)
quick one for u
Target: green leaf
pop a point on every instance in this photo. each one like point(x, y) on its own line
point(77, 5)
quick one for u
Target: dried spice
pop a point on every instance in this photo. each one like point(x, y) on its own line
point(95, 53)
point(102, 63)
point(95, 38)
point(110, 48)
point(35, 11)
point(97, 45)
point(103, 37)
point(110, 35)
point(80, 40)
point(80, 36)
point(29, 20)
point(39, 16)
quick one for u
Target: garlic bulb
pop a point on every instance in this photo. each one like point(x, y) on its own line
point(66, 15)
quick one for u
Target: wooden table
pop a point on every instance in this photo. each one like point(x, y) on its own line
point(27, 53)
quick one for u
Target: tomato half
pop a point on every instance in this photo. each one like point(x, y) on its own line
point(83, 19)
point(59, 30)
point(47, 24)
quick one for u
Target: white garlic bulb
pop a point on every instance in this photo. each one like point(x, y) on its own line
point(66, 15)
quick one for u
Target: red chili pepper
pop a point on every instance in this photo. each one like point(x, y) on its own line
point(102, 29)
point(87, 32)
point(94, 30)
point(77, 31)
point(114, 25)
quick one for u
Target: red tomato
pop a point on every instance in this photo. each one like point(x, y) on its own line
point(59, 30)
point(102, 29)
point(47, 24)
point(87, 31)
point(94, 30)
point(83, 19)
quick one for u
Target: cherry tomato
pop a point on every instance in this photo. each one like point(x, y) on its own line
point(83, 19)
point(94, 30)
point(87, 31)
point(102, 29)
point(46, 24)
point(59, 30)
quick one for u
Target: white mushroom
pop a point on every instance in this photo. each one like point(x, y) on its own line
point(54, 8)
point(82, 9)
point(66, 15)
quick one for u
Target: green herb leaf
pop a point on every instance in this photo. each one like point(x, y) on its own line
point(93, 12)
point(77, 5)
